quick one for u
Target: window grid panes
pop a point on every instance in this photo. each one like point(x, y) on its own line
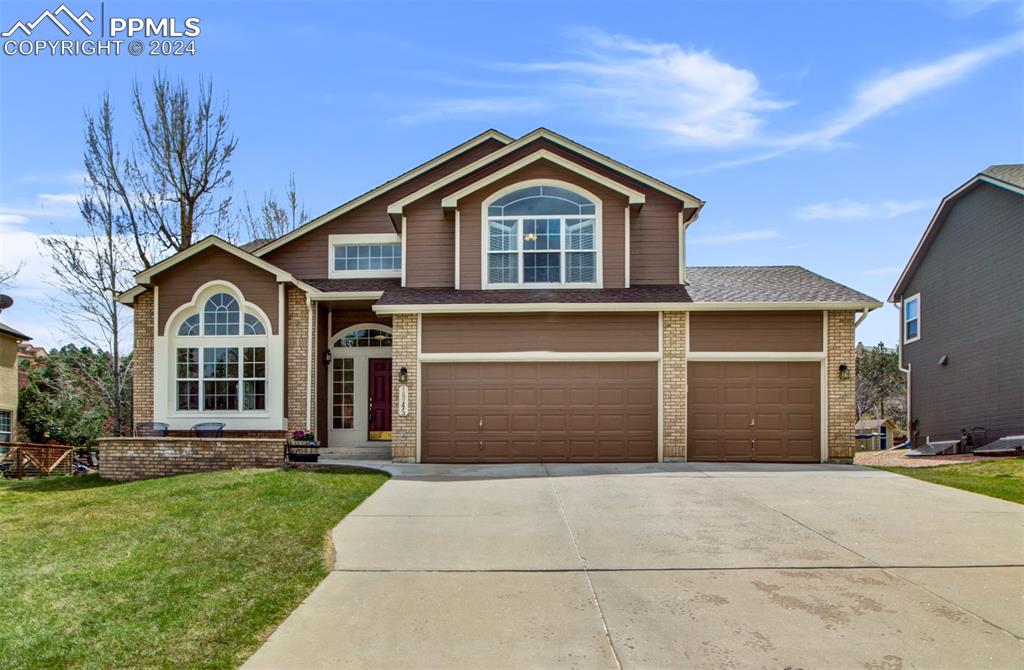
point(343, 393)
point(189, 326)
point(349, 257)
point(911, 319)
point(221, 378)
point(221, 315)
point(367, 337)
point(253, 325)
point(187, 376)
point(5, 425)
point(542, 258)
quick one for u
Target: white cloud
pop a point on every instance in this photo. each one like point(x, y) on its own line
point(61, 198)
point(848, 210)
point(12, 219)
point(736, 238)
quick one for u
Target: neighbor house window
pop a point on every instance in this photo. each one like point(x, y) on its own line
point(222, 365)
point(542, 236)
point(370, 255)
point(912, 318)
point(5, 425)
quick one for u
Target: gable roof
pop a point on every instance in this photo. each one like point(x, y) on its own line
point(18, 335)
point(1009, 176)
point(490, 134)
point(395, 208)
point(771, 284)
point(145, 277)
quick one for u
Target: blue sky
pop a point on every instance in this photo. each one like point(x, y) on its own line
point(820, 134)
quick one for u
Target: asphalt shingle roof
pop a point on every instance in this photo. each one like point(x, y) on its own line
point(1012, 173)
point(449, 296)
point(774, 283)
point(343, 285)
point(7, 330)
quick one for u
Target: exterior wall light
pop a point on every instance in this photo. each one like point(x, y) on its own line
point(328, 357)
point(844, 371)
point(403, 375)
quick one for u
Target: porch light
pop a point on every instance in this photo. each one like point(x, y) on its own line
point(328, 357)
point(403, 375)
point(844, 371)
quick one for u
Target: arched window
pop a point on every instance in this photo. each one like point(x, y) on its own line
point(366, 337)
point(542, 235)
point(222, 367)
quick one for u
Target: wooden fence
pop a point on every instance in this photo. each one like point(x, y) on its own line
point(36, 460)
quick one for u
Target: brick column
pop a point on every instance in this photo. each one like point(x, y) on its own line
point(842, 393)
point(142, 360)
point(297, 360)
point(673, 385)
point(404, 353)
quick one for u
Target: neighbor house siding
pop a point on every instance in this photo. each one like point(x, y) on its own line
point(178, 284)
point(307, 256)
point(9, 379)
point(756, 331)
point(545, 331)
point(971, 282)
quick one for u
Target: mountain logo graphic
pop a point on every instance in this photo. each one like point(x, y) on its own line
point(69, 15)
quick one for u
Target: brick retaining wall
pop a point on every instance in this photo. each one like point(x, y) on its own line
point(128, 458)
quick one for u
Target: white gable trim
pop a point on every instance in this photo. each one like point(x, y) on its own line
point(386, 186)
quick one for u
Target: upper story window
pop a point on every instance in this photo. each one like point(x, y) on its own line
point(542, 236)
point(912, 318)
point(372, 255)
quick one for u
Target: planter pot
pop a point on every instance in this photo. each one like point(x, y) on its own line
point(303, 451)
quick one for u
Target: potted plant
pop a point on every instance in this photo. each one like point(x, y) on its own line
point(303, 447)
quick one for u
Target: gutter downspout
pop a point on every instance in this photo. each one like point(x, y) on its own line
point(906, 370)
point(309, 362)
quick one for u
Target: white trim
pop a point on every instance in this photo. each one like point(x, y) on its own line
point(419, 388)
point(347, 239)
point(332, 340)
point(541, 356)
point(357, 436)
point(386, 186)
point(755, 356)
point(404, 254)
point(458, 250)
point(904, 320)
point(171, 324)
point(823, 399)
point(681, 247)
point(686, 389)
point(625, 246)
point(309, 364)
point(939, 211)
point(156, 352)
point(661, 385)
point(452, 201)
point(686, 198)
point(146, 276)
point(598, 238)
point(345, 295)
point(619, 306)
point(280, 310)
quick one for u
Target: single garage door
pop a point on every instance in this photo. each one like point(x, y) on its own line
point(529, 412)
point(754, 412)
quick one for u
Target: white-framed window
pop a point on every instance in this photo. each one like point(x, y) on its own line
point(542, 236)
point(365, 255)
point(6, 429)
point(912, 318)
point(220, 359)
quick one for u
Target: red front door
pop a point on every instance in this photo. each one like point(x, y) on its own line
point(380, 399)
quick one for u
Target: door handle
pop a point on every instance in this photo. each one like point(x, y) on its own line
point(752, 443)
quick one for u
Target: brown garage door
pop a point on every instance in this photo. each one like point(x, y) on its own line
point(522, 412)
point(753, 412)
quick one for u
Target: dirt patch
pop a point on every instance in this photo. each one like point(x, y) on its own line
point(889, 458)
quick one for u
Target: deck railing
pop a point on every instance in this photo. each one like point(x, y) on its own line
point(22, 459)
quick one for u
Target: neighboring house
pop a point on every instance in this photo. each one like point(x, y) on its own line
point(506, 301)
point(874, 434)
point(961, 300)
point(9, 341)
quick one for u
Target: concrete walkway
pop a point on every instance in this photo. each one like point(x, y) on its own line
point(665, 566)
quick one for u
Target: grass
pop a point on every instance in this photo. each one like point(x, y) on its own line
point(1002, 478)
point(190, 571)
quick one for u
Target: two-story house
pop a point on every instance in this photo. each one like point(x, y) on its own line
point(509, 300)
point(9, 341)
point(961, 301)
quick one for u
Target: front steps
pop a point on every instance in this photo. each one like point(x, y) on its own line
point(357, 453)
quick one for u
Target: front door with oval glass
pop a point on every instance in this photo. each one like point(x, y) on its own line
point(359, 388)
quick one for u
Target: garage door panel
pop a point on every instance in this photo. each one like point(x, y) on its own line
point(578, 411)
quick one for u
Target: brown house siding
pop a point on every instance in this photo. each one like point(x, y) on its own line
point(756, 331)
point(479, 333)
point(179, 283)
point(430, 241)
point(613, 206)
point(306, 256)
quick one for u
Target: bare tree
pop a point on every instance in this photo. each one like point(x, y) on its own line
point(8, 277)
point(173, 182)
point(273, 220)
point(90, 271)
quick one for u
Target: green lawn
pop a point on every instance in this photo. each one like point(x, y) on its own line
point(1003, 478)
point(189, 571)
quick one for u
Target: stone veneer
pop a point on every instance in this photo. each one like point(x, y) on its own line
point(128, 458)
point(142, 360)
point(673, 384)
point(842, 393)
point(297, 360)
point(404, 353)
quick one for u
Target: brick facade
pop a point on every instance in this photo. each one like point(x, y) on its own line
point(842, 393)
point(129, 458)
point(404, 353)
point(142, 359)
point(673, 385)
point(297, 365)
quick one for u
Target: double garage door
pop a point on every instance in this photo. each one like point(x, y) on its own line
point(607, 412)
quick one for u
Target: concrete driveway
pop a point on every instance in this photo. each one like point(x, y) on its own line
point(657, 566)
